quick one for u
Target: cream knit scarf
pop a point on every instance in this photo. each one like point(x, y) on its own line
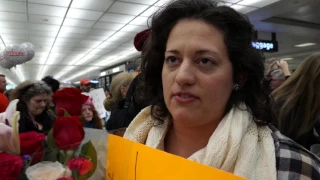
point(237, 145)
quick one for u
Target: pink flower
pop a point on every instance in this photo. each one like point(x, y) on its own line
point(82, 165)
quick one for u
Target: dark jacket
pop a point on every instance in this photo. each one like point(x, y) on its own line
point(45, 119)
point(126, 110)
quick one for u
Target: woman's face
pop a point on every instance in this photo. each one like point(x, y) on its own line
point(37, 104)
point(197, 74)
point(87, 112)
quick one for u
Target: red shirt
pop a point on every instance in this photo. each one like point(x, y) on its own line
point(4, 102)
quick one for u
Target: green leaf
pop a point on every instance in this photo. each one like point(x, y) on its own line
point(51, 155)
point(52, 152)
point(69, 155)
point(66, 114)
point(62, 156)
point(89, 152)
point(75, 174)
point(50, 140)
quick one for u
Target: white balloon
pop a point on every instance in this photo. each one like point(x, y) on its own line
point(30, 50)
point(16, 54)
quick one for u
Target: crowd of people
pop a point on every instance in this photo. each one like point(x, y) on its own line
point(202, 94)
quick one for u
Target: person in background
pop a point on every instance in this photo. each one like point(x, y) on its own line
point(30, 99)
point(208, 103)
point(3, 99)
point(278, 72)
point(89, 116)
point(115, 102)
point(106, 91)
point(54, 85)
point(297, 103)
point(135, 98)
point(85, 85)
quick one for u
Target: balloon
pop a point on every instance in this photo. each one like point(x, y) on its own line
point(30, 50)
point(16, 54)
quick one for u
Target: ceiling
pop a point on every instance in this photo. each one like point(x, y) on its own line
point(77, 38)
point(297, 23)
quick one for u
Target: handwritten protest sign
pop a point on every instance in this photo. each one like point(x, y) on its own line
point(127, 160)
point(98, 96)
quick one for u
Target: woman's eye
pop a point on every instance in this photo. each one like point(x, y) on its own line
point(206, 61)
point(172, 60)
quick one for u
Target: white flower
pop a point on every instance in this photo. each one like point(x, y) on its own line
point(47, 170)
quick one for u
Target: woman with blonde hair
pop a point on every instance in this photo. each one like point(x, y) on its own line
point(115, 102)
point(297, 103)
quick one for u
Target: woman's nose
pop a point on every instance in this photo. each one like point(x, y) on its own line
point(185, 73)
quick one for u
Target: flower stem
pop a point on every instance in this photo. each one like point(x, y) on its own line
point(69, 155)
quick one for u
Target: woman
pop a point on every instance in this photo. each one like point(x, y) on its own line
point(208, 102)
point(297, 103)
point(30, 99)
point(89, 116)
point(115, 102)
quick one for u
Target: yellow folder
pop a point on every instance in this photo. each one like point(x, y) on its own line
point(128, 160)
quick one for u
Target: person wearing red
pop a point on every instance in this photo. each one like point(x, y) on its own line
point(4, 102)
point(85, 85)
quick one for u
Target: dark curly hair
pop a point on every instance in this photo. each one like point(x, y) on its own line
point(238, 36)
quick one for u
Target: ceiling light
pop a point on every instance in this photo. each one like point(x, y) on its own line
point(9, 81)
point(286, 59)
point(305, 44)
point(249, 2)
point(114, 70)
point(64, 71)
point(19, 74)
point(103, 73)
point(42, 71)
point(82, 73)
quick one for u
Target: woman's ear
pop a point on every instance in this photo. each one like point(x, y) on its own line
point(123, 90)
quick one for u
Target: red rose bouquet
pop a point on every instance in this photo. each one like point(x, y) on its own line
point(68, 132)
point(31, 143)
point(70, 100)
point(33, 156)
point(11, 166)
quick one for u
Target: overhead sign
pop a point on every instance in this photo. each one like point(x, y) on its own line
point(266, 45)
point(128, 160)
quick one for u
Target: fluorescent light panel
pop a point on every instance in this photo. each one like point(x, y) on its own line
point(10, 81)
point(82, 73)
point(103, 73)
point(305, 44)
point(64, 71)
point(286, 59)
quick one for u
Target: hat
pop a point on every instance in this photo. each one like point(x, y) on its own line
point(85, 81)
point(89, 102)
point(141, 38)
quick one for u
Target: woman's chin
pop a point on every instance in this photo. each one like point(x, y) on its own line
point(88, 120)
point(184, 116)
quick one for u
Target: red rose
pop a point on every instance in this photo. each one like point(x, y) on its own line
point(82, 165)
point(68, 132)
point(31, 144)
point(69, 99)
point(65, 179)
point(11, 166)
